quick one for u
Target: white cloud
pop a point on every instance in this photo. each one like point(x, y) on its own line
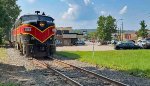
point(87, 2)
point(71, 12)
point(103, 12)
point(123, 10)
point(31, 1)
point(79, 10)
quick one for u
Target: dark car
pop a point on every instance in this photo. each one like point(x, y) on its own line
point(80, 43)
point(127, 46)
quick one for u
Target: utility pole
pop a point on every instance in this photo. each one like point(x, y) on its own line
point(119, 30)
point(120, 35)
point(122, 30)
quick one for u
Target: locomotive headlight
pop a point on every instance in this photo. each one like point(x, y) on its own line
point(42, 24)
point(27, 29)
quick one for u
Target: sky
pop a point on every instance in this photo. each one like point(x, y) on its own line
point(83, 14)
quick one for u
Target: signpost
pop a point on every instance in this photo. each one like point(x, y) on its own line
point(93, 48)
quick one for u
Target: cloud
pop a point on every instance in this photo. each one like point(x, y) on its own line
point(71, 13)
point(79, 10)
point(123, 10)
point(87, 2)
point(31, 1)
point(103, 12)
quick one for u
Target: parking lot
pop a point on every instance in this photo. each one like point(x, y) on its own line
point(87, 47)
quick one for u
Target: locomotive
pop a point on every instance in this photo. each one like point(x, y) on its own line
point(34, 35)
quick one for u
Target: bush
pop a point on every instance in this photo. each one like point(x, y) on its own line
point(0, 39)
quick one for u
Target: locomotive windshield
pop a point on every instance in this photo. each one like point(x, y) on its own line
point(37, 17)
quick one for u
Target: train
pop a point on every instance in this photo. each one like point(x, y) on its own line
point(34, 35)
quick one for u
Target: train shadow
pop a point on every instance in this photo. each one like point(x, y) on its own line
point(43, 58)
point(19, 75)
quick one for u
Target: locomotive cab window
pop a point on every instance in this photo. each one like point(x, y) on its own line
point(37, 17)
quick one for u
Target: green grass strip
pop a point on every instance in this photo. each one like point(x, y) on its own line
point(134, 62)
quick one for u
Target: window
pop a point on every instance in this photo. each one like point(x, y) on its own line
point(65, 31)
point(59, 32)
point(37, 17)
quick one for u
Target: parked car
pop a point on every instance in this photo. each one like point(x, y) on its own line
point(145, 43)
point(127, 45)
point(58, 43)
point(114, 41)
point(80, 43)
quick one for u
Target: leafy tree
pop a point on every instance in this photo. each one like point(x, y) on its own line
point(106, 26)
point(9, 12)
point(142, 32)
point(92, 35)
point(77, 31)
point(1, 35)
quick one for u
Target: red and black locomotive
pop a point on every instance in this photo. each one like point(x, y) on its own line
point(34, 35)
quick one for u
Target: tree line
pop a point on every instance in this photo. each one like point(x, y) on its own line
point(9, 11)
point(107, 26)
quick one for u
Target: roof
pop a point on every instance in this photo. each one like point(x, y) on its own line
point(36, 15)
point(64, 28)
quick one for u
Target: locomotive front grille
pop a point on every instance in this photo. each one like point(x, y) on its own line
point(41, 48)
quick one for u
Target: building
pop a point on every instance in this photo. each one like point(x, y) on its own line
point(126, 35)
point(65, 37)
point(130, 36)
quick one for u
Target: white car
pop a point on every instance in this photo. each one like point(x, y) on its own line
point(144, 43)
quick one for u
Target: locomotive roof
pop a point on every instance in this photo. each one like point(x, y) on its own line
point(36, 15)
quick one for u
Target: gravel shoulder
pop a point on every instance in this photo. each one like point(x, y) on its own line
point(19, 70)
point(110, 73)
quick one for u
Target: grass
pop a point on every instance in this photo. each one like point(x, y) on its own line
point(9, 84)
point(3, 54)
point(134, 62)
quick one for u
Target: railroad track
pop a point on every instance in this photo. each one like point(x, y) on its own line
point(78, 76)
point(45, 65)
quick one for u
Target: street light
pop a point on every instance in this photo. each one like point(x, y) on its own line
point(119, 29)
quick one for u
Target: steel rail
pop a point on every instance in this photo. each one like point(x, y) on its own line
point(116, 83)
point(45, 65)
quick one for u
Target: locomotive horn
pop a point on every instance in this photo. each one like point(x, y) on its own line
point(37, 12)
point(43, 13)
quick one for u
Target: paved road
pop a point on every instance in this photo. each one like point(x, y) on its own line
point(87, 47)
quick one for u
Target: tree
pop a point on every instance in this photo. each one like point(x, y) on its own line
point(9, 12)
point(1, 35)
point(106, 26)
point(142, 32)
point(92, 35)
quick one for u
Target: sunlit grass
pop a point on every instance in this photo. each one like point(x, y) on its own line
point(135, 62)
point(3, 54)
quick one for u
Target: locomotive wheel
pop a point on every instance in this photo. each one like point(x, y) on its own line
point(52, 50)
